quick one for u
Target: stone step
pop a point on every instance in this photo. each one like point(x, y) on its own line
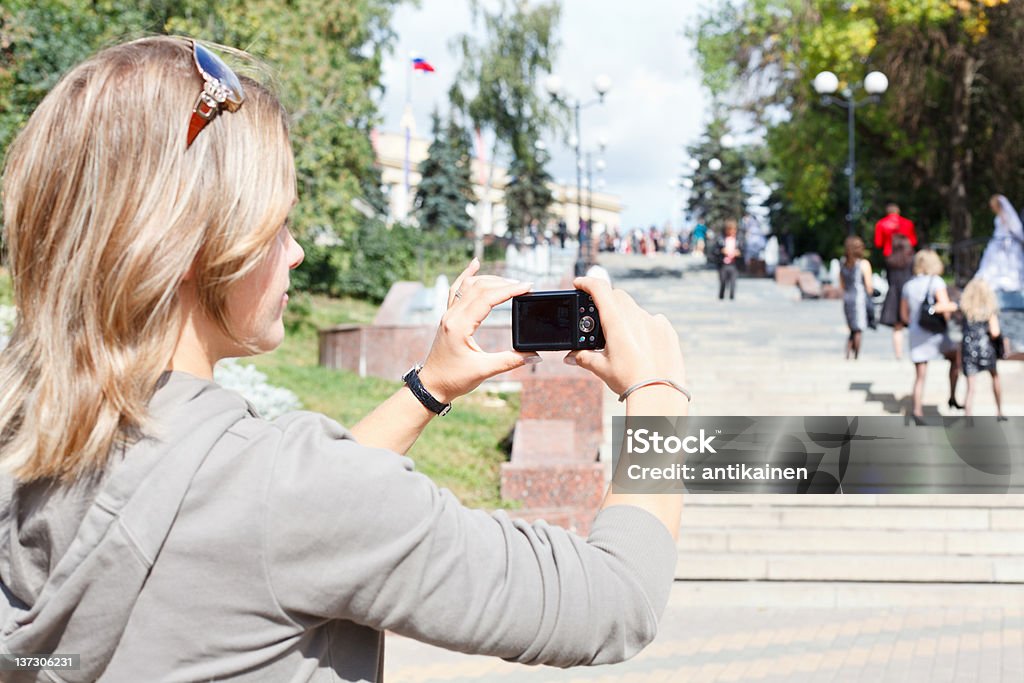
point(844, 594)
point(851, 517)
point(852, 542)
point(845, 567)
point(937, 500)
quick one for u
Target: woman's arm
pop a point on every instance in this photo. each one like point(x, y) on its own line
point(943, 304)
point(993, 326)
point(639, 347)
point(865, 269)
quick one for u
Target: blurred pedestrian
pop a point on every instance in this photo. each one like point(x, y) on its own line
point(926, 290)
point(898, 270)
point(700, 234)
point(893, 224)
point(983, 342)
point(855, 283)
point(727, 254)
point(1002, 264)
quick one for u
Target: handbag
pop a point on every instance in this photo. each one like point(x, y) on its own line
point(927, 318)
point(999, 346)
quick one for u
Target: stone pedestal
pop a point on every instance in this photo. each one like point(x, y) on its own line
point(787, 276)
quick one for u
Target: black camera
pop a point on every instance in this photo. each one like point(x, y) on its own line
point(555, 321)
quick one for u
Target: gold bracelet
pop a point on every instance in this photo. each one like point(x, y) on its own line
point(678, 387)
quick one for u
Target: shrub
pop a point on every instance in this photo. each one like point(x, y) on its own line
point(270, 401)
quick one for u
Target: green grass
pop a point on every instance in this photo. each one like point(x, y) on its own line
point(461, 451)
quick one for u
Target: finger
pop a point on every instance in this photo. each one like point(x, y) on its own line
point(471, 283)
point(470, 270)
point(503, 361)
point(605, 299)
point(484, 299)
point(594, 361)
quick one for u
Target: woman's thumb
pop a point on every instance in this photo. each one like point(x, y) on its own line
point(594, 361)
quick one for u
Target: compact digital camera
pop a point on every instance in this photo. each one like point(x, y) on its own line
point(556, 321)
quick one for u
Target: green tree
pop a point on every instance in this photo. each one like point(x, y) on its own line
point(326, 64)
point(528, 193)
point(718, 191)
point(446, 186)
point(944, 137)
point(501, 72)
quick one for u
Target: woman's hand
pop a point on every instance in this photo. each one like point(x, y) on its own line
point(638, 346)
point(456, 364)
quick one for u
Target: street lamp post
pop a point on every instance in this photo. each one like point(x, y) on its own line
point(875, 84)
point(602, 84)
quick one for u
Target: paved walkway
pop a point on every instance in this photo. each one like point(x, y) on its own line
point(778, 645)
point(768, 353)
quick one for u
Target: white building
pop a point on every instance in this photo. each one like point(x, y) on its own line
point(603, 208)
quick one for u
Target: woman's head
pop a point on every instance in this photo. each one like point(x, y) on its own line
point(853, 248)
point(107, 213)
point(978, 301)
point(927, 262)
point(731, 227)
point(995, 203)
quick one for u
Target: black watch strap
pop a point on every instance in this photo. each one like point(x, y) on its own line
point(412, 380)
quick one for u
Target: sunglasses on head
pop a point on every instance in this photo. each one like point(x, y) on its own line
point(221, 90)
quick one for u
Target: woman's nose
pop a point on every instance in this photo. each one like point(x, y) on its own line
point(296, 254)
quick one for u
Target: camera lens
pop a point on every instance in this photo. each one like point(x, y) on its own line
point(586, 324)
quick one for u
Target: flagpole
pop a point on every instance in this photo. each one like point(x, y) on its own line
point(406, 117)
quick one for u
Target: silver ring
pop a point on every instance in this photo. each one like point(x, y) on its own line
point(458, 293)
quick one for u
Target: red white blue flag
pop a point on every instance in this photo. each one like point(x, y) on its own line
point(420, 64)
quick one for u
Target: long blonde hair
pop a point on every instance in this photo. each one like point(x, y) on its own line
point(105, 211)
point(978, 301)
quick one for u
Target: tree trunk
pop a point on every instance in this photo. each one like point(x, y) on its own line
point(965, 68)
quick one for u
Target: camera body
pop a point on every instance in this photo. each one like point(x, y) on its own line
point(564, 320)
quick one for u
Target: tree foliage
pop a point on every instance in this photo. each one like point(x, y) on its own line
point(717, 195)
point(325, 60)
point(945, 136)
point(446, 186)
point(528, 193)
point(500, 74)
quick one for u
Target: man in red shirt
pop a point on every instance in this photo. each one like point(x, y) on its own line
point(890, 225)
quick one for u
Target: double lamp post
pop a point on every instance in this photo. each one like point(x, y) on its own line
point(826, 84)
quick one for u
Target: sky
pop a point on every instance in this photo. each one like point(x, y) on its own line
point(655, 108)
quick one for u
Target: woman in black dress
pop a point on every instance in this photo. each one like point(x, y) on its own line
point(898, 267)
point(981, 332)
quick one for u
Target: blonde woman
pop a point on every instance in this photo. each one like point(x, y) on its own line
point(156, 525)
point(981, 334)
point(927, 288)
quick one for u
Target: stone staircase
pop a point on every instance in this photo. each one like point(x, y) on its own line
point(892, 538)
point(864, 550)
point(770, 353)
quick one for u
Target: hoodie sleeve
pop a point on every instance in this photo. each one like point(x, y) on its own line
point(355, 533)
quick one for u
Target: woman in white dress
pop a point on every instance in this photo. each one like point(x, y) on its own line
point(1002, 264)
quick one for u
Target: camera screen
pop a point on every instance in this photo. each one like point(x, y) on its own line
point(547, 321)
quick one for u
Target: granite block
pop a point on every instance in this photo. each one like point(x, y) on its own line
point(553, 485)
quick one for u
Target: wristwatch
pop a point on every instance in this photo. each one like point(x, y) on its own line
point(412, 380)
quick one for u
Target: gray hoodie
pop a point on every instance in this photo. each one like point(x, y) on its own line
point(229, 547)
